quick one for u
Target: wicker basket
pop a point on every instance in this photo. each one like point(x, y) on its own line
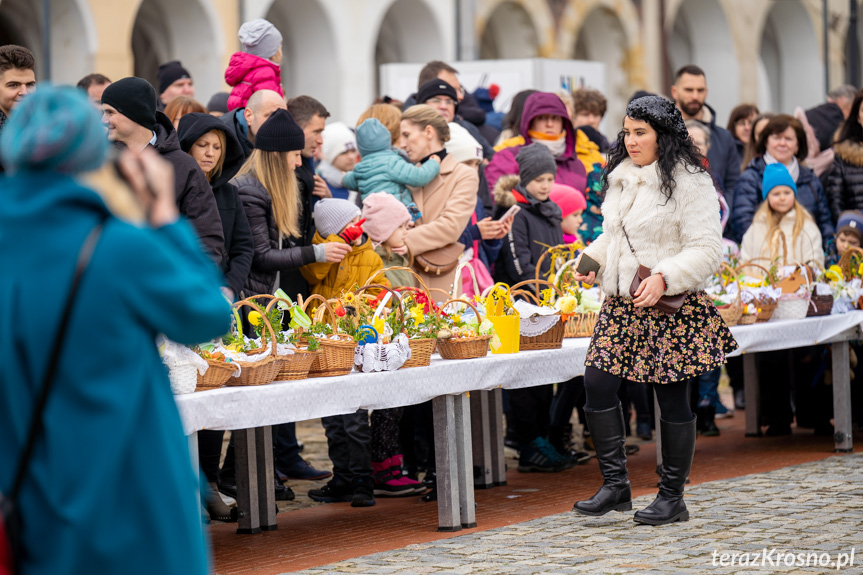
point(794, 305)
point(845, 262)
point(819, 305)
point(581, 325)
point(336, 355)
point(731, 313)
point(748, 319)
point(551, 339)
point(421, 352)
point(766, 307)
point(463, 347)
point(217, 375)
point(257, 372)
point(294, 366)
point(183, 378)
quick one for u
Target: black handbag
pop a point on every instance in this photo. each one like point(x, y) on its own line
point(10, 514)
point(668, 304)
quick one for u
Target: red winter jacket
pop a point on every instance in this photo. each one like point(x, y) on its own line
point(247, 74)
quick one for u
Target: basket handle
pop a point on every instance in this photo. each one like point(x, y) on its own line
point(777, 236)
point(263, 314)
point(546, 253)
point(537, 283)
point(845, 261)
point(733, 273)
point(395, 295)
point(528, 295)
point(464, 302)
point(489, 298)
point(316, 297)
point(456, 282)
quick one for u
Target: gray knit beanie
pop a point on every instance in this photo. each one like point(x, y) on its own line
point(533, 161)
point(333, 214)
point(260, 38)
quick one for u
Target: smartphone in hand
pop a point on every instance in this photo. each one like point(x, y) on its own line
point(510, 214)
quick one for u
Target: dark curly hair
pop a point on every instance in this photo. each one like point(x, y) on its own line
point(673, 148)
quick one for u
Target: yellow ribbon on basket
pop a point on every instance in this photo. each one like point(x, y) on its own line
point(506, 327)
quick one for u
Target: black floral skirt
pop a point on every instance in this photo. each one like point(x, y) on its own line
point(646, 345)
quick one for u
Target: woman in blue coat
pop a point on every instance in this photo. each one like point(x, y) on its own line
point(782, 140)
point(110, 487)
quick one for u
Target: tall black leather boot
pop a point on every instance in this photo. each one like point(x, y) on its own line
point(678, 447)
point(609, 434)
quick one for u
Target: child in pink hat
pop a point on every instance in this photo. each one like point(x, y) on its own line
point(572, 204)
point(386, 224)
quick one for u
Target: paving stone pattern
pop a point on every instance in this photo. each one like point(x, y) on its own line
point(815, 507)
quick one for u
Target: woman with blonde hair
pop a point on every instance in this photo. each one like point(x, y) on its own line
point(268, 188)
point(445, 204)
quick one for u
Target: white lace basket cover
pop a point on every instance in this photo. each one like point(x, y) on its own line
point(383, 356)
point(535, 320)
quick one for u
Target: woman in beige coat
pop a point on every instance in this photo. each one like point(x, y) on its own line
point(448, 201)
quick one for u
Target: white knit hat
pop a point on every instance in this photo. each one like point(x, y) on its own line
point(333, 214)
point(338, 139)
point(461, 145)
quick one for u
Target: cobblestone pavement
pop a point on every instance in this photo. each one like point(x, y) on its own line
point(814, 508)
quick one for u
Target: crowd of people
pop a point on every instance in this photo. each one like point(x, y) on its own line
point(280, 197)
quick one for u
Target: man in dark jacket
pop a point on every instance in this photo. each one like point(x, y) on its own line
point(311, 116)
point(17, 79)
point(689, 92)
point(245, 122)
point(129, 113)
point(239, 247)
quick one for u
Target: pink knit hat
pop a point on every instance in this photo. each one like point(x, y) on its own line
point(568, 198)
point(383, 214)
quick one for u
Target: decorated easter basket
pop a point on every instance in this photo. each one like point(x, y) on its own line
point(766, 306)
point(217, 375)
point(732, 312)
point(422, 348)
point(550, 339)
point(372, 356)
point(819, 305)
point(580, 324)
point(336, 356)
point(463, 347)
point(263, 371)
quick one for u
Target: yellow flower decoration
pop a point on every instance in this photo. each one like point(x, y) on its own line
point(834, 273)
point(254, 318)
point(456, 319)
point(860, 270)
point(416, 312)
point(379, 325)
point(348, 297)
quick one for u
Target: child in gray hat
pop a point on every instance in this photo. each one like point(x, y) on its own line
point(257, 66)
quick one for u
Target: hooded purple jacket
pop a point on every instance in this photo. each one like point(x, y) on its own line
point(570, 170)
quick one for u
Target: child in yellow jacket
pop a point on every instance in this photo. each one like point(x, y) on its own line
point(348, 436)
point(339, 221)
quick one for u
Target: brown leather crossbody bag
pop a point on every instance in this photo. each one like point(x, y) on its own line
point(668, 304)
point(440, 261)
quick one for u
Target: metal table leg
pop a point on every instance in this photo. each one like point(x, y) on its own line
point(842, 398)
point(464, 460)
point(752, 394)
point(249, 520)
point(445, 459)
point(266, 489)
point(496, 433)
point(196, 470)
point(481, 438)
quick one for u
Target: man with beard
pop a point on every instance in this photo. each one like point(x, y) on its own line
point(689, 92)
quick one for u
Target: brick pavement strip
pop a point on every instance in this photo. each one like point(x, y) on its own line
point(815, 507)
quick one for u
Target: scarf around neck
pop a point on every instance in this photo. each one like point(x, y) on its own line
point(555, 144)
point(793, 169)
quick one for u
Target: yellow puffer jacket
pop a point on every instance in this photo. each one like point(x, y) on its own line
point(330, 279)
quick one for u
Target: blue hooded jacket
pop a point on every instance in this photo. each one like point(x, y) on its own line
point(382, 169)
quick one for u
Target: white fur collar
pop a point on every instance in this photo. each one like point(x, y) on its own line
point(629, 174)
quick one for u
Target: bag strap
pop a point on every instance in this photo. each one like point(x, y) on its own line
point(475, 242)
point(48, 380)
point(629, 243)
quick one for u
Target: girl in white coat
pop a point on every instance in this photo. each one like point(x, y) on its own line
point(783, 212)
point(660, 211)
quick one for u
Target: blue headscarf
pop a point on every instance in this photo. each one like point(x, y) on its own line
point(56, 129)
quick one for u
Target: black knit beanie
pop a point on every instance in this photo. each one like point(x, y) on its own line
point(280, 133)
point(434, 88)
point(133, 97)
point(169, 73)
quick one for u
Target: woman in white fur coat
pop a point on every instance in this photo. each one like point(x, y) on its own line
point(658, 194)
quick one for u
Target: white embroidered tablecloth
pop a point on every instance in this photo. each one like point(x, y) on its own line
point(282, 402)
